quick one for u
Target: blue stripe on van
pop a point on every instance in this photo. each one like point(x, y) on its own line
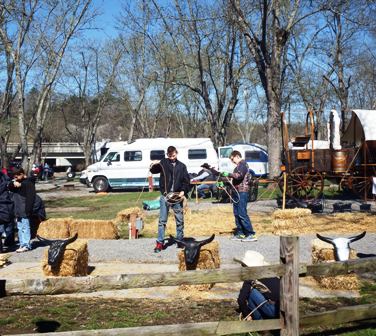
point(132, 182)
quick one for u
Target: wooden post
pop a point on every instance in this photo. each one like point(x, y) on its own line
point(150, 181)
point(289, 255)
point(133, 231)
point(284, 190)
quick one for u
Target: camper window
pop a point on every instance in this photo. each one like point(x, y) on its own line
point(157, 154)
point(132, 156)
point(196, 154)
point(112, 156)
point(255, 156)
point(225, 152)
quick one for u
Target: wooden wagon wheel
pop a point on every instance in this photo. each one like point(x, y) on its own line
point(362, 186)
point(303, 184)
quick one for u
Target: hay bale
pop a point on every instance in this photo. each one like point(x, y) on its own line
point(74, 261)
point(55, 228)
point(324, 252)
point(93, 229)
point(208, 259)
point(124, 215)
point(291, 221)
point(122, 219)
point(4, 259)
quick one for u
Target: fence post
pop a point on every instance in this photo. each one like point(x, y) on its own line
point(289, 255)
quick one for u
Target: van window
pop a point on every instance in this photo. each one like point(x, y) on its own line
point(112, 156)
point(157, 154)
point(225, 152)
point(196, 154)
point(132, 156)
point(255, 156)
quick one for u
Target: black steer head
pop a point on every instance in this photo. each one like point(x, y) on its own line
point(56, 249)
point(192, 249)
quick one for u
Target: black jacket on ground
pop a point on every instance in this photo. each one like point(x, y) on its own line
point(173, 177)
point(23, 198)
point(6, 202)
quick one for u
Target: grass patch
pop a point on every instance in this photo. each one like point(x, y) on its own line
point(90, 313)
point(98, 206)
point(7, 320)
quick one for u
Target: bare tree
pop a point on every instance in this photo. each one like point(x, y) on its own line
point(206, 58)
point(37, 40)
point(95, 77)
point(267, 34)
point(345, 21)
point(137, 79)
point(7, 98)
point(21, 15)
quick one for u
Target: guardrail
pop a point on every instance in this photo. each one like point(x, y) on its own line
point(289, 270)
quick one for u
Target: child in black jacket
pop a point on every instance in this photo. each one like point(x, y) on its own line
point(24, 196)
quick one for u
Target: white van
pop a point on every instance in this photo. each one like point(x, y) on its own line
point(255, 155)
point(127, 165)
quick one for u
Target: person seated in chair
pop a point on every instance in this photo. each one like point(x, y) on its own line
point(206, 174)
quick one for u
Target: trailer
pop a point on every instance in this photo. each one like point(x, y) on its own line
point(349, 161)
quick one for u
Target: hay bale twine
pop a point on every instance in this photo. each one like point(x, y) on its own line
point(93, 229)
point(208, 259)
point(291, 221)
point(74, 262)
point(55, 228)
point(324, 252)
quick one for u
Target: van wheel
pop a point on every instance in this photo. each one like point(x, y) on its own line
point(100, 184)
point(71, 175)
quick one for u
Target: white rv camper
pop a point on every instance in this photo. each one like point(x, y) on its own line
point(255, 155)
point(127, 165)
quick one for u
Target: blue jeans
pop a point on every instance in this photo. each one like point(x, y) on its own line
point(267, 310)
point(23, 225)
point(242, 221)
point(202, 187)
point(8, 230)
point(163, 215)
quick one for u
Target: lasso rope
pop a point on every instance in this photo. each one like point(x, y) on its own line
point(173, 197)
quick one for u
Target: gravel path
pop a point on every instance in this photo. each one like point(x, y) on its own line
point(141, 250)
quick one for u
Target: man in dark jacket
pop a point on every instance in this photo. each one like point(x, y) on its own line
point(173, 184)
point(23, 196)
point(6, 212)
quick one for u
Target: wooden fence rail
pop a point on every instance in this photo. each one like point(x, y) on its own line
point(289, 270)
point(328, 318)
point(68, 285)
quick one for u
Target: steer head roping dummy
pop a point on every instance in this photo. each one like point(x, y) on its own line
point(341, 245)
point(57, 248)
point(191, 249)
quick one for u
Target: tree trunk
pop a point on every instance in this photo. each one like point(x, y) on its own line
point(274, 136)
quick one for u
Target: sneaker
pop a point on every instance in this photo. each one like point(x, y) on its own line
point(238, 237)
point(158, 248)
point(22, 249)
point(250, 238)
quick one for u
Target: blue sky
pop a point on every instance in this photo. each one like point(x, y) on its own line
point(108, 9)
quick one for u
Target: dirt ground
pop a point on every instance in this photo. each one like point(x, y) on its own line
point(47, 314)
